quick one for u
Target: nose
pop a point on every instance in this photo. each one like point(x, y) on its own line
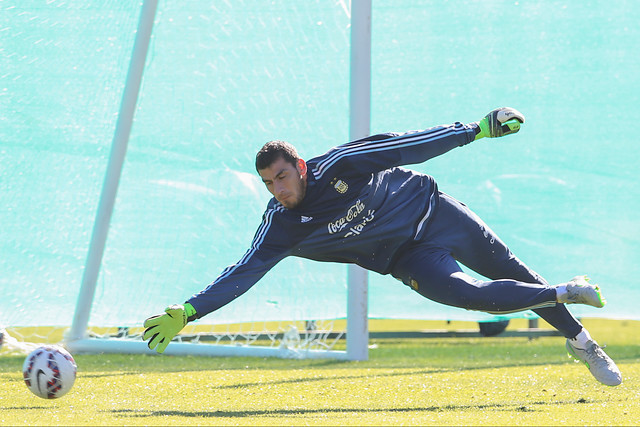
point(279, 189)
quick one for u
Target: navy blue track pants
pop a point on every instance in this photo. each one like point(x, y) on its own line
point(456, 234)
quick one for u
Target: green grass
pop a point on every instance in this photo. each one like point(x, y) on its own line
point(448, 381)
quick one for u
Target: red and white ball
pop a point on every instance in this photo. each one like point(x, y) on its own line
point(49, 371)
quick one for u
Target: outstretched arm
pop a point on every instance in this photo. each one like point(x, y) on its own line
point(378, 152)
point(234, 281)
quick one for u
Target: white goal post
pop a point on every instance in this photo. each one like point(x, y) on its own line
point(78, 339)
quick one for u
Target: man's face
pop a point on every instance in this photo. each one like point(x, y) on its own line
point(287, 183)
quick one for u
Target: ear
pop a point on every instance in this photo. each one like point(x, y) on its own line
point(302, 167)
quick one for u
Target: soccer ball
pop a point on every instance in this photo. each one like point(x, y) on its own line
point(49, 371)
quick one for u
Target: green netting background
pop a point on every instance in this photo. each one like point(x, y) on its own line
point(224, 77)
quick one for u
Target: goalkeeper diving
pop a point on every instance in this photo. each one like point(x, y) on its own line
point(356, 204)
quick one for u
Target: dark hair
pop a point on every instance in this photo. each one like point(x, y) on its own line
point(272, 151)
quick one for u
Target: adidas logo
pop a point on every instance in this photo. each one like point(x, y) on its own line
point(304, 219)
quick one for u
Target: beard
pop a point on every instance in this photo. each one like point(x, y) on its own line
point(292, 200)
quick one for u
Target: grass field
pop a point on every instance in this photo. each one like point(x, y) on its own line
point(446, 381)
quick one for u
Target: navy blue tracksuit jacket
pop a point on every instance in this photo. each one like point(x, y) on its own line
point(360, 207)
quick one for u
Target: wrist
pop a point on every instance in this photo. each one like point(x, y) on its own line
point(190, 311)
point(482, 129)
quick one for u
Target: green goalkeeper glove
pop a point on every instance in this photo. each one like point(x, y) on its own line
point(162, 328)
point(500, 122)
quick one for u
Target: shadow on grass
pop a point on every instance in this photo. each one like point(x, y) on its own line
point(23, 408)
point(538, 406)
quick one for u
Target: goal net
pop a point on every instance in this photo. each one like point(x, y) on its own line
point(220, 80)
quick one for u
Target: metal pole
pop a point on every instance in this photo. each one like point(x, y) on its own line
point(359, 122)
point(114, 169)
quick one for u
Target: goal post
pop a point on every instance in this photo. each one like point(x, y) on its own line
point(289, 342)
point(359, 127)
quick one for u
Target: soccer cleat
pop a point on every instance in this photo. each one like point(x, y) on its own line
point(601, 366)
point(580, 291)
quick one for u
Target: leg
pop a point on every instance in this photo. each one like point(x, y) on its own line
point(456, 233)
point(435, 274)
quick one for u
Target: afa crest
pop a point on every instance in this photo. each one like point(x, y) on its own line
point(340, 186)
